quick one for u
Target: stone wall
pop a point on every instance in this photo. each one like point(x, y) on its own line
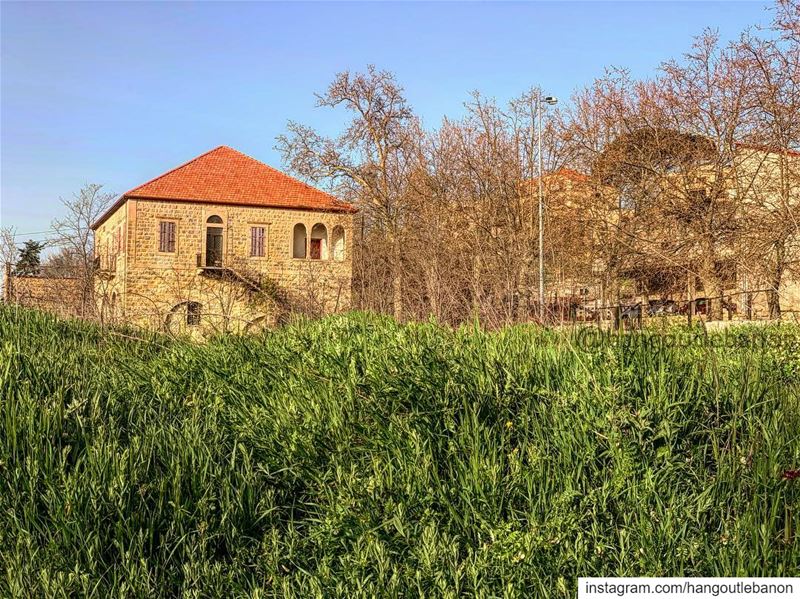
point(61, 295)
point(153, 288)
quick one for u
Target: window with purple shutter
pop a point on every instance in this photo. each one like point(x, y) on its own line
point(166, 237)
point(257, 235)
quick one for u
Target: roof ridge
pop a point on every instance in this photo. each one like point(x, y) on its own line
point(180, 166)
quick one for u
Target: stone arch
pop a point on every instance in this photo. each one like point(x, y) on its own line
point(299, 242)
point(183, 316)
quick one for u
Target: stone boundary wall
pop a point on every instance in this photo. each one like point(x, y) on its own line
point(63, 296)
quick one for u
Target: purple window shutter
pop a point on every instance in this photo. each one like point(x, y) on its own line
point(171, 228)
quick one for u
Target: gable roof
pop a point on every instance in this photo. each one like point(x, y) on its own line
point(226, 176)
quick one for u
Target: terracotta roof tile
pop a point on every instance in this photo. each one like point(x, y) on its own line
point(226, 176)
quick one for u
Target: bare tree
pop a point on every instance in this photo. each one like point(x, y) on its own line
point(8, 252)
point(369, 162)
point(770, 164)
point(74, 234)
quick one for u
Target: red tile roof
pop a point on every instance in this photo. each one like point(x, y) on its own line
point(568, 173)
point(767, 149)
point(225, 176)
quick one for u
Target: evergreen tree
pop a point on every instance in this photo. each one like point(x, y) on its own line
point(30, 259)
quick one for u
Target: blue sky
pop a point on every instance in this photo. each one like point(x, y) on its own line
point(116, 93)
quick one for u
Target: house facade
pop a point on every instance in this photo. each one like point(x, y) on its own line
point(222, 243)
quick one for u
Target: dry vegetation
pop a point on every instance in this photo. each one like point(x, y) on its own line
point(677, 186)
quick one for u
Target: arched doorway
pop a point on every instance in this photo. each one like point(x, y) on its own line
point(215, 241)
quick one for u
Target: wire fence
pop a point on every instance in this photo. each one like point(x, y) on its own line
point(751, 305)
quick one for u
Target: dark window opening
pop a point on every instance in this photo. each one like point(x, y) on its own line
point(192, 313)
point(316, 249)
point(214, 246)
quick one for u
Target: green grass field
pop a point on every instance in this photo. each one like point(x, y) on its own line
point(356, 457)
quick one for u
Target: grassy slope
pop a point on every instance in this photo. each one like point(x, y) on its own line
point(353, 456)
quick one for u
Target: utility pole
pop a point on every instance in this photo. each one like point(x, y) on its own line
point(539, 102)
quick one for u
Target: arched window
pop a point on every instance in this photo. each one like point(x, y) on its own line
point(299, 241)
point(337, 243)
point(319, 242)
point(217, 220)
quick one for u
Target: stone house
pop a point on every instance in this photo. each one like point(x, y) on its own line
point(222, 243)
point(763, 185)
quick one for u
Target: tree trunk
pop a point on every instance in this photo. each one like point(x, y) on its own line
point(712, 283)
point(432, 285)
point(397, 280)
point(773, 294)
point(476, 286)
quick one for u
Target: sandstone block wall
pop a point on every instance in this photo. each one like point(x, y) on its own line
point(153, 288)
point(61, 295)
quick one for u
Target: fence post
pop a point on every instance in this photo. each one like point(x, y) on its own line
point(748, 298)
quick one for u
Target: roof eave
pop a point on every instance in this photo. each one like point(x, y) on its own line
point(345, 208)
point(107, 214)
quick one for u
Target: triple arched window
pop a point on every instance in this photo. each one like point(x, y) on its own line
point(316, 246)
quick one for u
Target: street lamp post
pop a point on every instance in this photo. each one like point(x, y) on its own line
point(540, 101)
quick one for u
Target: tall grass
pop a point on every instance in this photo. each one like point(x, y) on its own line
point(354, 456)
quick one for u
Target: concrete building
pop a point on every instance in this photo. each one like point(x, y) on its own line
point(222, 243)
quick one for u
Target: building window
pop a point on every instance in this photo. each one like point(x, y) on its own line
point(166, 237)
point(257, 236)
point(215, 242)
point(337, 243)
point(299, 241)
point(192, 313)
point(319, 242)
